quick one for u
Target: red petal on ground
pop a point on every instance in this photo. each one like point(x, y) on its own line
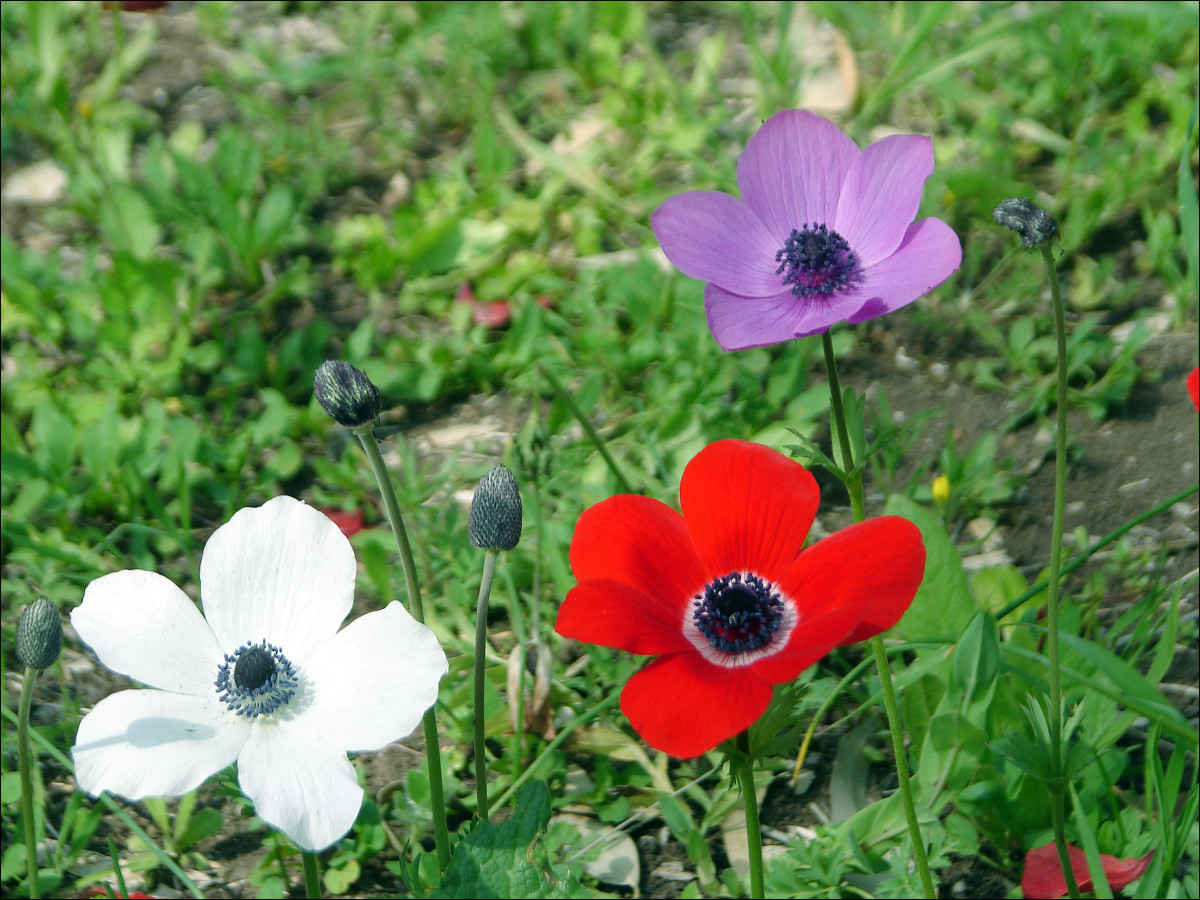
point(1193, 386)
point(1044, 880)
point(614, 614)
point(495, 314)
point(747, 507)
point(490, 314)
point(876, 565)
point(642, 543)
point(685, 706)
point(351, 523)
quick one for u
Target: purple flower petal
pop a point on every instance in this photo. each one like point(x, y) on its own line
point(715, 237)
point(742, 322)
point(792, 169)
point(881, 194)
point(928, 255)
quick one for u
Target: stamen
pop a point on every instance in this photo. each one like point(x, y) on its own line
point(738, 612)
point(256, 680)
point(815, 260)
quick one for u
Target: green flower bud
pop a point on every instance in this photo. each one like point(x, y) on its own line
point(1026, 218)
point(346, 393)
point(39, 634)
point(495, 520)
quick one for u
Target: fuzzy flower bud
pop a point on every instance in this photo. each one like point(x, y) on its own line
point(495, 520)
point(39, 634)
point(346, 393)
point(1026, 218)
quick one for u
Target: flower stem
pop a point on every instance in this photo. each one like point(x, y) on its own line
point(23, 764)
point(1057, 794)
point(855, 488)
point(485, 590)
point(437, 794)
point(853, 478)
point(744, 763)
point(312, 877)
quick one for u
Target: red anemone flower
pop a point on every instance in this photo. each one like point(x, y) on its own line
point(724, 594)
point(1044, 880)
point(1193, 386)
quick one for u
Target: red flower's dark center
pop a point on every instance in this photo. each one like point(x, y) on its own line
point(816, 261)
point(737, 612)
point(256, 679)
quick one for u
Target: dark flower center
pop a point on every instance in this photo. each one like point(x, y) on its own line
point(256, 679)
point(816, 261)
point(737, 612)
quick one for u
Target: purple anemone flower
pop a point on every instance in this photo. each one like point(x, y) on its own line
point(823, 233)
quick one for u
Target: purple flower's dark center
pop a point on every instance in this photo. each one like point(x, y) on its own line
point(256, 679)
point(816, 261)
point(737, 612)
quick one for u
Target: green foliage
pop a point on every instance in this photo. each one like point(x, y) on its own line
point(506, 860)
point(243, 204)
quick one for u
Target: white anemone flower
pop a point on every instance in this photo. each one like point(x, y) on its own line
point(264, 677)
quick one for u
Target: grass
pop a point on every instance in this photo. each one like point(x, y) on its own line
point(255, 188)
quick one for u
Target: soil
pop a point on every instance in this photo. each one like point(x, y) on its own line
point(1145, 450)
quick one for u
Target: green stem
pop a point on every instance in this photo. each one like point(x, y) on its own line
point(312, 877)
point(481, 608)
point(1057, 796)
point(437, 794)
point(592, 433)
point(853, 478)
point(744, 763)
point(901, 755)
point(23, 764)
point(855, 488)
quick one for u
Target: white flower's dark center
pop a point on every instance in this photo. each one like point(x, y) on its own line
point(737, 612)
point(256, 680)
point(816, 260)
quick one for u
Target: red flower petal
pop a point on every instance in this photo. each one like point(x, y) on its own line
point(685, 706)
point(1193, 386)
point(1044, 879)
point(640, 542)
point(812, 638)
point(614, 614)
point(747, 507)
point(880, 560)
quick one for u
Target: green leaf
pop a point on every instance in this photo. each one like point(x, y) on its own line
point(977, 657)
point(508, 860)
point(943, 605)
point(1127, 679)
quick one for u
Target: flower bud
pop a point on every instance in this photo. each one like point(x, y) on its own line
point(941, 490)
point(1026, 218)
point(495, 520)
point(39, 634)
point(346, 393)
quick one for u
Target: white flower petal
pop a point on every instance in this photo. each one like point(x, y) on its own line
point(301, 784)
point(143, 626)
point(282, 572)
point(152, 743)
point(373, 682)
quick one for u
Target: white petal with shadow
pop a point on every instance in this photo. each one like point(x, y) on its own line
point(153, 743)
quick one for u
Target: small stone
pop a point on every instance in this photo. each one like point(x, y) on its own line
point(36, 185)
